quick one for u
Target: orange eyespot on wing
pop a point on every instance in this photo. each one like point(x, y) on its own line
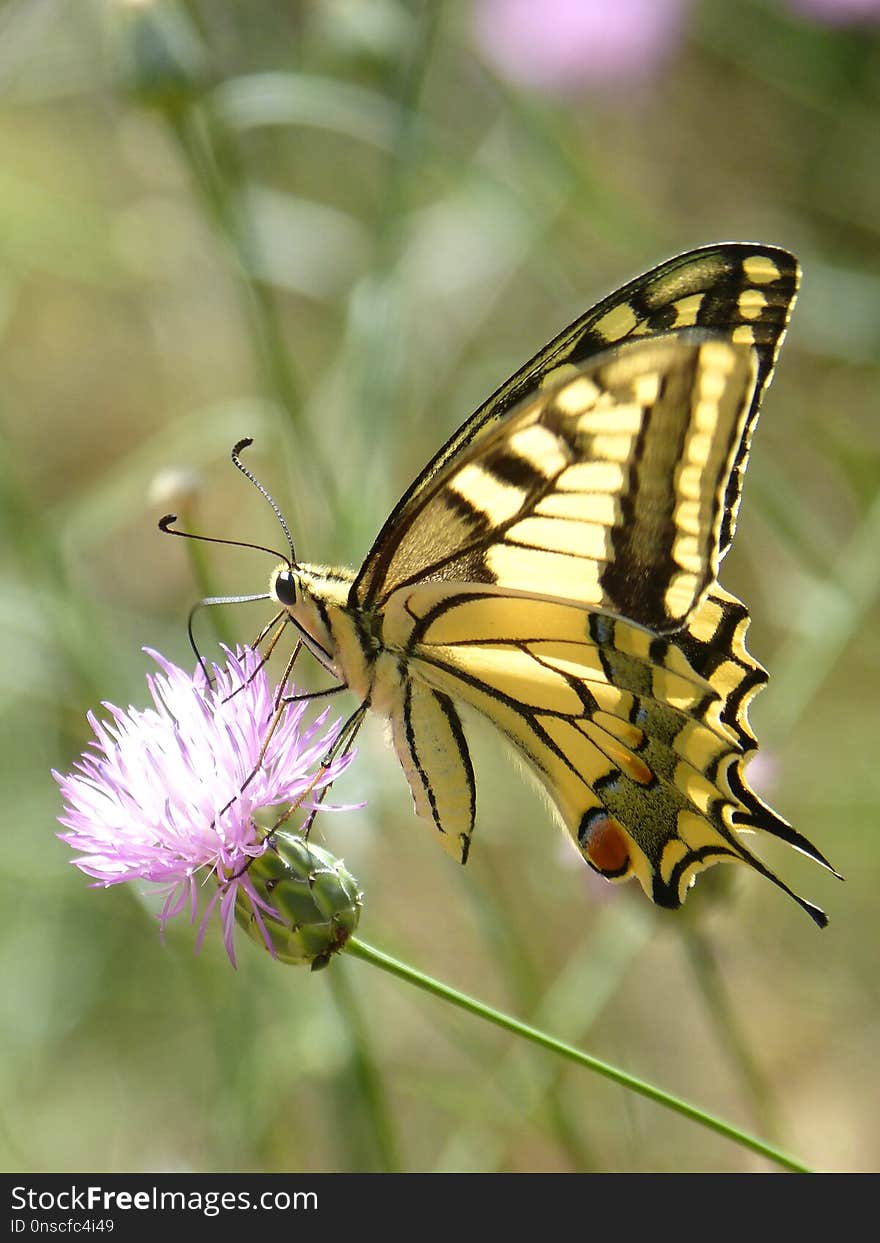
point(604, 845)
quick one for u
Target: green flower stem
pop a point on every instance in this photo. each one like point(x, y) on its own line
point(209, 153)
point(685, 1108)
point(379, 330)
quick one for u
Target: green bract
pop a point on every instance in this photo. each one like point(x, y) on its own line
point(318, 901)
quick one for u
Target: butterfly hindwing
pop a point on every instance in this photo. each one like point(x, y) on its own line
point(625, 735)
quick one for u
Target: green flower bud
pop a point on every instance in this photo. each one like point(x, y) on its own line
point(317, 900)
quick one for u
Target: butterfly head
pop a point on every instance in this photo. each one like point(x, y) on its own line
point(295, 587)
point(315, 598)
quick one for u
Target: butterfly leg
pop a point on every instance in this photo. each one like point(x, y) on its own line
point(344, 742)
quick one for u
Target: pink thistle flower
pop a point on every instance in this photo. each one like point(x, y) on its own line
point(159, 795)
point(571, 45)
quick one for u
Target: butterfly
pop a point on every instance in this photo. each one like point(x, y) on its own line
point(554, 568)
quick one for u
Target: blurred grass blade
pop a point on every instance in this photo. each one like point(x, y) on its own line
point(298, 99)
point(832, 614)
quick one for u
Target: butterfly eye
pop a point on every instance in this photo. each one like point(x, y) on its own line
point(285, 588)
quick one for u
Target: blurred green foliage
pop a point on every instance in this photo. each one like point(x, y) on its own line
point(328, 226)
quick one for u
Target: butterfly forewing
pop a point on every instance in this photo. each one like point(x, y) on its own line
point(741, 292)
point(606, 489)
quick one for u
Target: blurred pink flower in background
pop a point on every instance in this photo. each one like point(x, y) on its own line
point(571, 45)
point(837, 12)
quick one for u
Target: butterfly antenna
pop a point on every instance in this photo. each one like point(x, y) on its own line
point(237, 462)
point(165, 526)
